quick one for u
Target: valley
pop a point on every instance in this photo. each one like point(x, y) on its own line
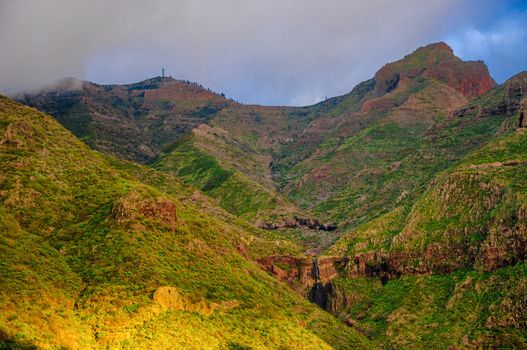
point(162, 214)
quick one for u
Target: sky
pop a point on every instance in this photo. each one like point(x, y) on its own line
point(273, 52)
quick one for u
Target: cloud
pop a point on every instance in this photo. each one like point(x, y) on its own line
point(501, 46)
point(257, 51)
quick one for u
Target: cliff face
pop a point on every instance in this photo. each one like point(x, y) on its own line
point(303, 273)
point(472, 217)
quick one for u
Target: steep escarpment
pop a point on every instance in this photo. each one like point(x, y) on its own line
point(473, 217)
point(458, 222)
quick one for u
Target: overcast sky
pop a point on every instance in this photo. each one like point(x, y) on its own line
point(290, 52)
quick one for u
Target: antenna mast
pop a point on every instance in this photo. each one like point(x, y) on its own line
point(162, 72)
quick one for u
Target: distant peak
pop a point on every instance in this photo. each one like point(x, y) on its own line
point(439, 46)
point(430, 55)
point(436, 61)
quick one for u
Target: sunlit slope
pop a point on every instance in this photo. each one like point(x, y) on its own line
point(91, 257)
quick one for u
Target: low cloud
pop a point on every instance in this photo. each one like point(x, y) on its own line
point(256, 51)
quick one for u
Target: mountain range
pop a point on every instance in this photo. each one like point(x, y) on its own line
point(161, 214)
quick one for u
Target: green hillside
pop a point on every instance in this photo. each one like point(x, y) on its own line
point(451, 271)
point(400, 209)
point(93, 257)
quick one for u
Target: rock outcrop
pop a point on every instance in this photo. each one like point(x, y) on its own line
point(303, 273)
point(170, 298)
point(135, 204)
point(298, 222)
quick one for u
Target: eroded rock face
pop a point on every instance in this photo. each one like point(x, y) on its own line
point(370, 264)
point(498, 243)
point(506, 243)
point(513, 100)
point(330, 266)
point(302, 271)
point(323, 271)
point(516, 89)
point(436, 61)
point(295, 271)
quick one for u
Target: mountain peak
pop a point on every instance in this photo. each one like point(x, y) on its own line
point(440, 46)
point(436, 61)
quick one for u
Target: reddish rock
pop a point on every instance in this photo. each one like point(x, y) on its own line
point(436, 61)
point(301, 270)
point(506, 244)
point(329, 267)
point(298, 268)
point(369, 264)
point(377, 104)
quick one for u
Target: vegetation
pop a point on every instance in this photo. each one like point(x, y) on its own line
point(465, 309)
point(154, 242)
point(86, 247)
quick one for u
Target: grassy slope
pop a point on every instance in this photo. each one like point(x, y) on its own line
point(233, 190)
point(485, 191)
point(477, 208)
point(484, 120)
point(466, 309)
point(473, 218)
point(84, 247)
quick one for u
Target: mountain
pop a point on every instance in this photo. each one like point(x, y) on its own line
point(398, 208)
point(115, 255)
point(132, 121)
point(453, 267)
